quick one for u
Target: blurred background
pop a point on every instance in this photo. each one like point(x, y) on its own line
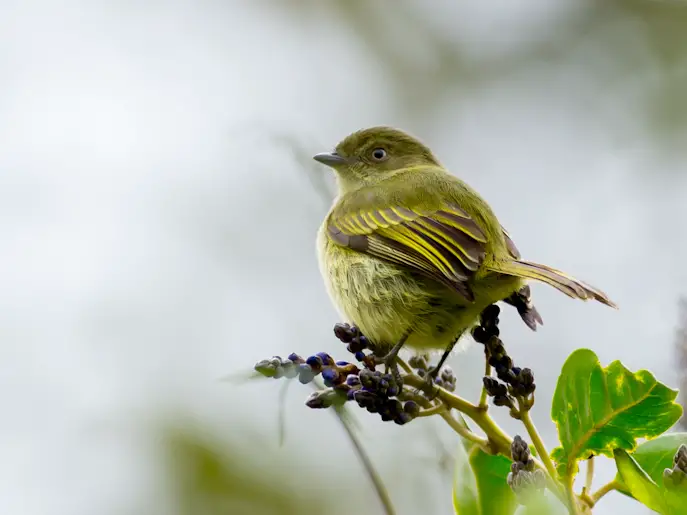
point(158, 210)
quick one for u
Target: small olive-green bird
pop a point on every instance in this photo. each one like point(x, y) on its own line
point(412, 255)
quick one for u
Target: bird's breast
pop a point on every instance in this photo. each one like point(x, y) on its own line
point(385, 300)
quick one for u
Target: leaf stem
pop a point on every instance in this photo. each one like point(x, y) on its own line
point(573, 506)
point(483, 402)
point(452, 400)
point(463, 431)
point(405, 366)
point(498, 441)
point(538, 443)
point(590, 475)
point(608, 487)
point(434, 410)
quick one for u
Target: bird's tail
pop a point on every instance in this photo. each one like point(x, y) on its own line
point(559, 280)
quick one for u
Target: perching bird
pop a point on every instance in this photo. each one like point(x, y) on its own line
point(412, 255)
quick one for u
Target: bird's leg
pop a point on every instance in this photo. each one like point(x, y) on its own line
point(433, 372)
point(389, 360)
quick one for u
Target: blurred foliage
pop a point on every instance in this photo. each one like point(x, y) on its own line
point(210, 477)
point(646, 40)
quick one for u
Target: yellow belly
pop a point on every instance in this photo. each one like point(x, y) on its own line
point(386, 301)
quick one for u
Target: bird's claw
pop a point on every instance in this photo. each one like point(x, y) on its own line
point(429, 388)
point(390, 365)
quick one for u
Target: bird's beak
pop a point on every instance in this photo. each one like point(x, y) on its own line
point(329, 159)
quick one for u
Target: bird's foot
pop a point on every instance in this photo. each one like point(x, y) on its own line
point(390, 365)
point(390, 359)
point(429, 388)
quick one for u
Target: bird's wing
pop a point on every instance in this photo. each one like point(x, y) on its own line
point(444, 244)
point(512, 249)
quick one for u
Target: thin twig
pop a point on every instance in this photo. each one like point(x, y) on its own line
point(608, 487)
point(452, 400)
point(573, 506)
point(282, 412)
point(365, 459)
point(434, 410)
point(405, 366)
point(483, 402)
point(538, 442)
point(589, 479)
point(463, 431)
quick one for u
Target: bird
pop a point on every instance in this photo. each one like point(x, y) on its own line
point(412, 255)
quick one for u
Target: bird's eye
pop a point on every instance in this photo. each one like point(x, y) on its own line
point(379, 154)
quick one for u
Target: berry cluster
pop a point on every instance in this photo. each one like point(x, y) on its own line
point(333, 372)
point(445, 380)
point(678, 474)
point(376, 393)
point(370, 389)
point(512, 381)
point(523, 478)
point(356, 343)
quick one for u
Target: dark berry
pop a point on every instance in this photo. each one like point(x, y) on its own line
point(479, 334)
point(305, 373)
point(343, 332)
point(330, 376)
point(411, 408)
point(402, 418)
point(491, 312)
point(314, 361)
point(326, 358)
point(352, 380)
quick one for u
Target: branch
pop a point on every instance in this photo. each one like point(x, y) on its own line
point(463, 431)
point(483, 398)
point(608, 487)
point(538, 442)
point(573, 506)
point(366, 461)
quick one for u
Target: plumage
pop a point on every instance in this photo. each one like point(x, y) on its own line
point(408, 249)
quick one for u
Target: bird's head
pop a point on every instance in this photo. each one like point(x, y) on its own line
point(372, 155)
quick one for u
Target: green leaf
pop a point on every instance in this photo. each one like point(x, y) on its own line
point(676, 497)
point(479, 486)
point(491, 473)
point(657, 455)
point(598, 410)
point(465, 494)
point(653, 458)
point(638, 483)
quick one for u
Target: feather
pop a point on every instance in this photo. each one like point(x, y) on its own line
point(445, 244)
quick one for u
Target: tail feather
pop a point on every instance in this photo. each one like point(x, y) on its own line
point(522, 301)
point(559, 280)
